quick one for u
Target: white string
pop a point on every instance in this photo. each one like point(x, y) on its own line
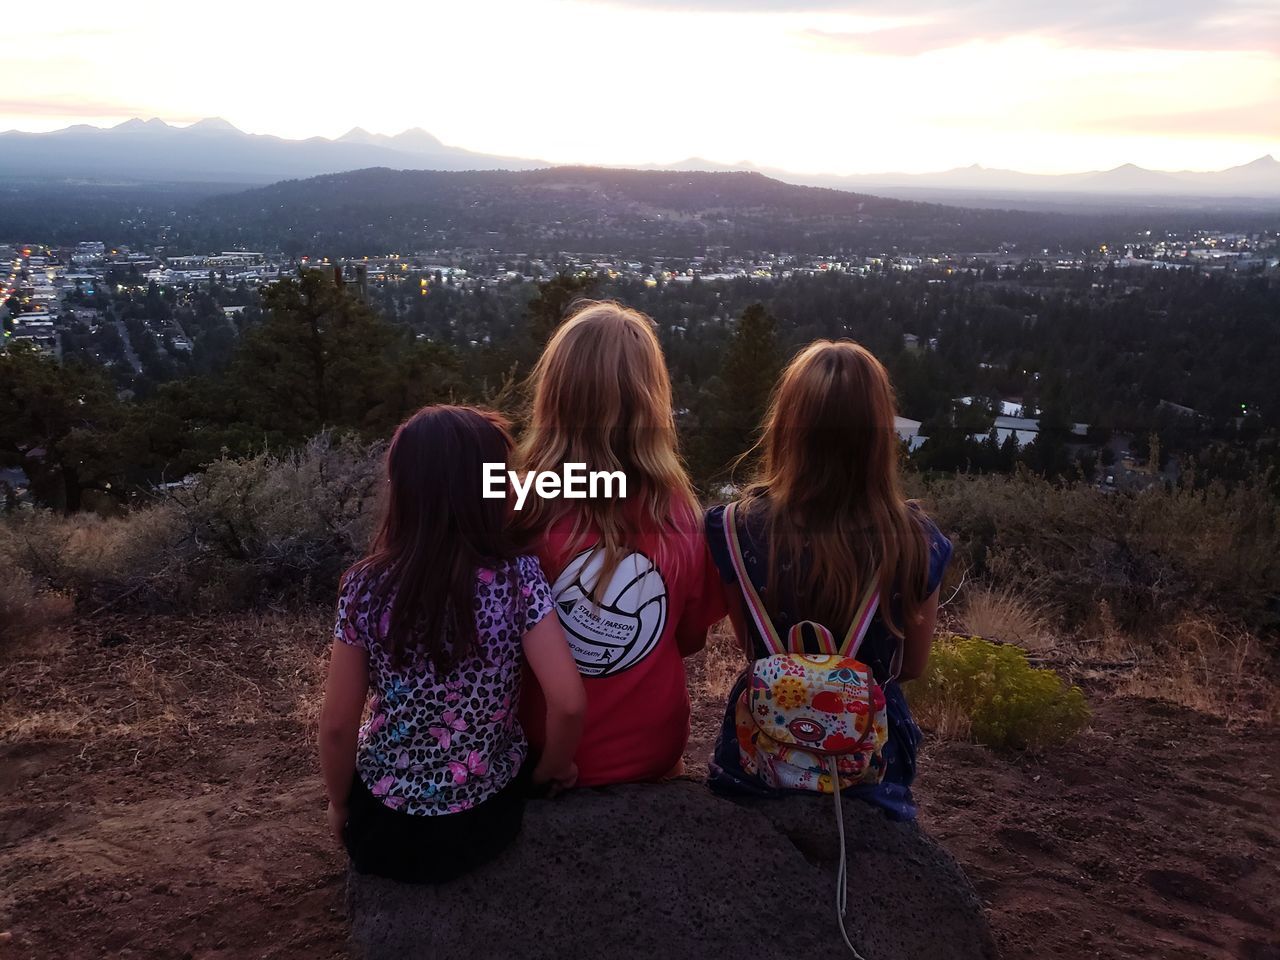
point(842, 874)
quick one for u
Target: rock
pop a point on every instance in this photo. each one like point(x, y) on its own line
point(672, 871)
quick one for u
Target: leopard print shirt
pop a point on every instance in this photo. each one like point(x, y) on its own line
point(442, 744)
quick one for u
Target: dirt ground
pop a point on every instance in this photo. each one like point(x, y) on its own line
point(159, 798)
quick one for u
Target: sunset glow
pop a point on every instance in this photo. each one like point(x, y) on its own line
point(840, 87)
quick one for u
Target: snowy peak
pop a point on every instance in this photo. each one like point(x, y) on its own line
point(358, 135)
point(137, 124)
point(213, 125)
point(418, 139)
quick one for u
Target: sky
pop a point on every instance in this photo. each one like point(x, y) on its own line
point(811, 86)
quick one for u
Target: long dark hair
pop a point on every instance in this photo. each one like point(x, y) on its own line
point(437, 531)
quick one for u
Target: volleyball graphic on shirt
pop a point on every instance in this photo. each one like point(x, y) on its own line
point(622, 624)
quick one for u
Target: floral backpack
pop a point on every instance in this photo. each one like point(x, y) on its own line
point(811, 722)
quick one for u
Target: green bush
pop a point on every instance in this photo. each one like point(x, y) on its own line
point(265, 529)
point(1151, 555)
point(279, 526)
point(989, 691)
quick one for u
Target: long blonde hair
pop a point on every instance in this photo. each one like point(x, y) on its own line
point(602, 396)
point(828, 478)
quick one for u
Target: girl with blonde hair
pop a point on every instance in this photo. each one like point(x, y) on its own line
point(824, 526)
point(633, 583)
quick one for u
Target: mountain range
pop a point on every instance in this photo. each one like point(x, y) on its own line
point(213, 150)
point(1258, 178)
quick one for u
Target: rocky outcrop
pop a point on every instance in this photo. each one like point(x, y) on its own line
point(664, 872)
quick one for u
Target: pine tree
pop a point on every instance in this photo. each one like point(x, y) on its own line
point(55, 423)
point(735, 403)
point(322, 358)
point(547, 310)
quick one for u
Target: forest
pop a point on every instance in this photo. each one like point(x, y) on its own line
point(1180, 364)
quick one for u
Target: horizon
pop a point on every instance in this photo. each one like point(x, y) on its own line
point(744, 164)
point(843, 87)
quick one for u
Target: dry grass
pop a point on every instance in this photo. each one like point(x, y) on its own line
point(168, 679)
point(131, 699)
point(26, 609)
point(719, 665)
point(1209, 667)
point(945, 717)
point(92, 557)
point(1004, 616)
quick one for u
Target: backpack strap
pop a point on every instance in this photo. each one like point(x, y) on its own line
point(866, 611)
point(774, 643)
point(755, 606)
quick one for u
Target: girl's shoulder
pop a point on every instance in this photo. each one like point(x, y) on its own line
point(522, 568)
point(750, 526)
point(751, 518)
point(527, 567)
point(362, 605)
point(362, 579)
point(937, 543)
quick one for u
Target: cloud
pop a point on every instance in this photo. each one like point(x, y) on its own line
point(46, 114)
point(77, 108)
point(1255, 121)
point(1095, 24)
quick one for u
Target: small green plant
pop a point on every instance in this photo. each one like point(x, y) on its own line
point(989, 692)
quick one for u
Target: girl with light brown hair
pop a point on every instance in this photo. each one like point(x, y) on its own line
point(633, 583)
point(824, 524)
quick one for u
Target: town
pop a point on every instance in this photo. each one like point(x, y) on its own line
point(145, 317)
point(46, 296)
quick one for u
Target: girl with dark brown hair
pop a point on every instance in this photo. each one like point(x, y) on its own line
point(438, 621)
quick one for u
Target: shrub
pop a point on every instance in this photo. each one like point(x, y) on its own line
point(273, 527)
point(96, 559)
point(278, 526)
point(1150, 555)
point(991, 693)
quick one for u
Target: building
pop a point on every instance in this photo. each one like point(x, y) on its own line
point(909, 433)
point(37, 329)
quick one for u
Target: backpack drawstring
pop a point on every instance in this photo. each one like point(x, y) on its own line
point(842, 873)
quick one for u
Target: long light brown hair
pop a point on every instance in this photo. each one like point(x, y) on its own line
point(828, 478)
point(602, 396)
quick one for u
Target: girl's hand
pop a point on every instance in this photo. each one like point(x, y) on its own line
point(337, 820)
point(556, 781)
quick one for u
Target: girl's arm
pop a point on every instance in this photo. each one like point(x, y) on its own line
point(344, 695)
point(737, 616)
point(704, 607)
point(548, 656)
point(919, 640)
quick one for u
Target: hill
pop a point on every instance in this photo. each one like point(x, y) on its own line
point(640, 212)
